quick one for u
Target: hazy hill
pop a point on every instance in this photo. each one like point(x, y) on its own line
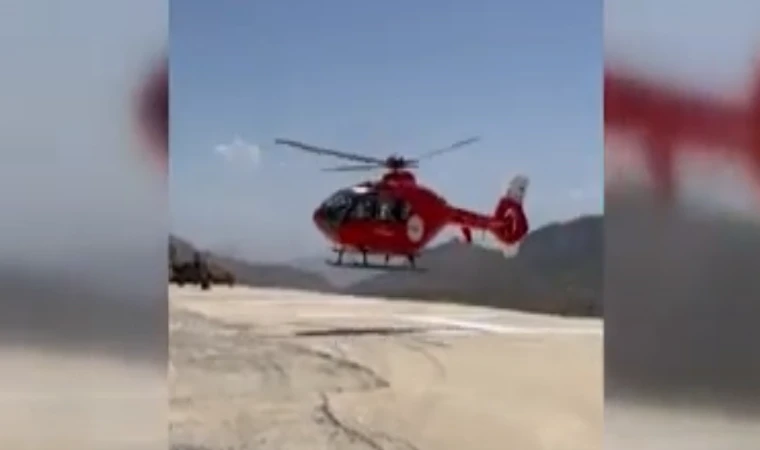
point(258, 274)
point(558, 270)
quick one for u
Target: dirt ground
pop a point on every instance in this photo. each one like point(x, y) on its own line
point(266, 369)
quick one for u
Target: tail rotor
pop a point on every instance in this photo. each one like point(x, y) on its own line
point(510, 224)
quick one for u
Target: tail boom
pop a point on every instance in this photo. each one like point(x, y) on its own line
point(508, 223)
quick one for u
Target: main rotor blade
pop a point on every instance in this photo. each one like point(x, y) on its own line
point(354, 168)
point(452, 147)
point(330, 152)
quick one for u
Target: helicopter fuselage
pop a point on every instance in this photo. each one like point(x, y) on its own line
point(393, 216)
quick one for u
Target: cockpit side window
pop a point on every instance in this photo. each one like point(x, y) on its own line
point(365, 207)
point(355, 206)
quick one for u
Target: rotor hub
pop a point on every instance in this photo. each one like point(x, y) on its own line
point(396, 163)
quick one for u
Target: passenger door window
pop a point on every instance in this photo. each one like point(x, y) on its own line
point(401, 210)
point(393, 210)
point(385, 209)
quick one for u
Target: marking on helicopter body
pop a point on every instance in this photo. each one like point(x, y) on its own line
point(415, 228)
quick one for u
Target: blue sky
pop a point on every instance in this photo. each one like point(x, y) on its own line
point(377, 78)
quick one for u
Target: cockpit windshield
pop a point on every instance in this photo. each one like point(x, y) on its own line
point(338, 201)
point(335, 208)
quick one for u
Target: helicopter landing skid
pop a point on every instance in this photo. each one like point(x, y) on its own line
point(371, 266)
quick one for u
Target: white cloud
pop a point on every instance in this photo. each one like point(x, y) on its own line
point(240, 151)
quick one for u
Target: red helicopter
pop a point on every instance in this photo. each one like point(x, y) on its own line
point(397, 217)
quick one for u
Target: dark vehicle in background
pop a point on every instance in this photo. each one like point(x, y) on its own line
point(220, 275)
point(199, 271)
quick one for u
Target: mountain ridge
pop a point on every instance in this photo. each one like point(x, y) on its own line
point(558, 270)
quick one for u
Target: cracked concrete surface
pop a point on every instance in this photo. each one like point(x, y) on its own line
point(264, 369)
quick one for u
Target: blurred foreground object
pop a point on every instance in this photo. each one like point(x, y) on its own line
point(83, 307)
point(682, 367)
point(153, 112)
point(668, 121)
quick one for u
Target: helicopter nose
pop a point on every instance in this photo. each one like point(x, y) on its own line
point(320, 220)
point(326, 226)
